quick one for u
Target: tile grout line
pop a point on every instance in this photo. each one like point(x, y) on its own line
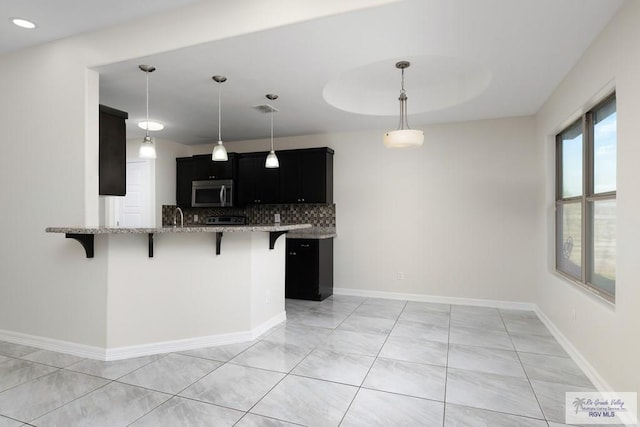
point(360, 387)
point(71, 401)
point(229, 362)
point(289, 373)
point(544, 416)
point(334, 329)
point(446, 370)
point(177, 395)
point(109, 381)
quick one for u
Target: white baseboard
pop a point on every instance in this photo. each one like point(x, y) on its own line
point(193, 343)
point(128, 352)
point(511, 305)
point(577, 357)
point(44, 343)
point(596, 379)
point(265, 326)
point(119, 353)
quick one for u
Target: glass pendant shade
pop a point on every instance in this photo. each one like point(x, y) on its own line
point(147, 149)
point(219, 153)
point(272, 161)
point(403, 138)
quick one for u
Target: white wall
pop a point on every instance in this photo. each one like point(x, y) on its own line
point(458, 217)
point(188, 292)
point(49, 163)
point(607, 335)
point(48, 167)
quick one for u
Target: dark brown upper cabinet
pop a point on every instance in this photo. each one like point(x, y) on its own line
point(306, 176)
point(204, 168)
point(257, 184)
point(184, 177)
point(112, 165)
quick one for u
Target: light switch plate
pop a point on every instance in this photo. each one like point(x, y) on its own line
point(276, 217)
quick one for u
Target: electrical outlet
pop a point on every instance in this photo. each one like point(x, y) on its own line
point(400, 275)
point(195, 217)
point(276, 218)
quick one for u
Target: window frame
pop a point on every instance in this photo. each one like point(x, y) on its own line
point(587, 199)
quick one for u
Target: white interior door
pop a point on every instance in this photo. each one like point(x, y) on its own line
point(135, 207)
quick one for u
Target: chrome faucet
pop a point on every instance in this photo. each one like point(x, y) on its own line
point(175, 217)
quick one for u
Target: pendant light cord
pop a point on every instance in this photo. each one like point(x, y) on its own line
point(147, 126)
point(219, 113)
point(272, 129)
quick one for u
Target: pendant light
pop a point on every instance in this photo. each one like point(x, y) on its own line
point(219, 153)
point(272, 160)
point(403, 136)
point(147, 149)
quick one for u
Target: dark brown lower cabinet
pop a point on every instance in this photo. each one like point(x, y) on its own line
point(309, 269)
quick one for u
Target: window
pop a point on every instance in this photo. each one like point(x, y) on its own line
point(586, 200)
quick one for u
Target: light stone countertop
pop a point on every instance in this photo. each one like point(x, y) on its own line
point(313, 233)
point(185, 229)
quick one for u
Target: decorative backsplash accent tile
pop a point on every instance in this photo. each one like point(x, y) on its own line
point(318, 215)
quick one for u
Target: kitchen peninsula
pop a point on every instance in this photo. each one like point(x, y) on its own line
point(185, 296)
point(84, 235)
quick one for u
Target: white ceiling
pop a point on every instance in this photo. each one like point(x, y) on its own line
point(56, 19)
point(515, 52)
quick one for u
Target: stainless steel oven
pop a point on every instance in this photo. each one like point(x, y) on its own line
point(212, 193)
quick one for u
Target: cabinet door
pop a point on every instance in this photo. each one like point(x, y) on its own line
point(301, 271)
point(257, 184)
point(246, 180)
point(306, 176)
point(112, 152)
point(205, 168)
point(184, 176)
point(313, 177)
point(268, 185)
point(325, 267)
point(290, 176)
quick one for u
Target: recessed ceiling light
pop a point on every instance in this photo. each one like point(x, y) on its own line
point(23, 23)
point(152, 125)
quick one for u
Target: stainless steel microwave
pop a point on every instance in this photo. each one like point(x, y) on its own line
point(213, 193)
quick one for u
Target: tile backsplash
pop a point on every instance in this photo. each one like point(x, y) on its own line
point(318, 215)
